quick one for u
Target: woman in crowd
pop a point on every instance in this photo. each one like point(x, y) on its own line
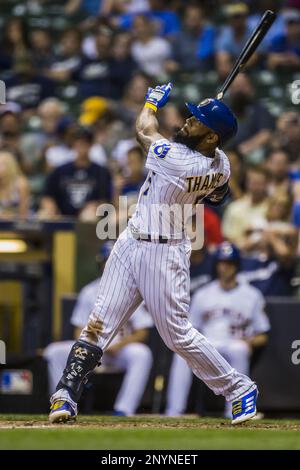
point(14, 188)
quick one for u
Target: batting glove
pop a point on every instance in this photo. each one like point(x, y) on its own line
point(157, 97)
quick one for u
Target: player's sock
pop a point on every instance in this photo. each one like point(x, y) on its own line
point(82, 360)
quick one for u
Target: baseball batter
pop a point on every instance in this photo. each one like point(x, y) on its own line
point(150, 260)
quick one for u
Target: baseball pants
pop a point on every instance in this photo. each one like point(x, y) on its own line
point(236, 352)
point(159, 274)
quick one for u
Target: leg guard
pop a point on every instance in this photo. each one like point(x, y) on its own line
point(82, 360)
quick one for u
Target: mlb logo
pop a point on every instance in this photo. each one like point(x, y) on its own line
point(16, 382)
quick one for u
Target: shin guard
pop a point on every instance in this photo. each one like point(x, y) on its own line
point(82, 360)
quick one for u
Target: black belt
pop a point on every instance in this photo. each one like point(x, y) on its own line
point(148, 238)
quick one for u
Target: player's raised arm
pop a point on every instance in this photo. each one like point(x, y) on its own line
point(147, 124)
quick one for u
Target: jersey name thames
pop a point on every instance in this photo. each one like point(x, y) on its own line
point(203, 183)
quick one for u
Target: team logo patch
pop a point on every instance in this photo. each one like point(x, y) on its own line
point(161, 150)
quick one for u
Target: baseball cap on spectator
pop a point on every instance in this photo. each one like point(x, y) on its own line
point(236, 9)
point(10, 107)
point(63, 124)
point(82, 133)
point(92, 109)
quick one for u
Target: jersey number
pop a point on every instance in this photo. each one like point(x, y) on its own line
point(149, 181)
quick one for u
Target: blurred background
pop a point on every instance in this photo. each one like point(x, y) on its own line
point(76, 73)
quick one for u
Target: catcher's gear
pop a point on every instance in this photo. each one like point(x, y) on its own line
point(157, 97)
point(82, 360)
point(217, 116)
point(218, 196)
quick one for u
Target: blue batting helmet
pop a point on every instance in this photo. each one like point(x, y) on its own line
point(104, 251)
point(228, 252)
point(217, 116)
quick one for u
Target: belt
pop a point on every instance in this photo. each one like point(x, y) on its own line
point(148, 238)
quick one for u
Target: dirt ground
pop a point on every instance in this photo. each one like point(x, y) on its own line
point(147, 422)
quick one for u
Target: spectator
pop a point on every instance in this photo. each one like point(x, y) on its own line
point(50, 112)
point(237, 173)
point(15, 40)
point(133, 98)
point(150, 52)
point(277, 164)
point(233, 38)
point(89, 7)
point(280, 206)
point(26, 86)
point(270, 258)
point(124, 6)
point(68, 56)
point(284, 51)
point(60, 151)
point(76, 188)
point(287, 134)
point(193, 46)
point(127, 351)
point(36, 140)
point(165, 20)
point(122, 64)
point(10, 131)
point(255, 122)
point(231, 315)
point(119, 153)
point(249, 209)
point(93, 74)
point(108, 130)
point(130, 183)
point(14, 189)
point(41, 48)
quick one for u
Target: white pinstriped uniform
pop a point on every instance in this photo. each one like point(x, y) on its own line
point(159, 273)
point(176, 178)
point(226, 318)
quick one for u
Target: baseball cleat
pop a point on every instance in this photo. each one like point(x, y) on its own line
point(61, 411)
point(118, 413)
point(244, 407)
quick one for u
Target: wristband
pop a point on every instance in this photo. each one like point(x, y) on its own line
point(151, 106)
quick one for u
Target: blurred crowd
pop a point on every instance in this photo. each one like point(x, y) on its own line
point(67, 130)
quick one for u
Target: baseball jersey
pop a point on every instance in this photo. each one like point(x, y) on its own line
point(177, 180)
point(222, 315)
point(86, 300)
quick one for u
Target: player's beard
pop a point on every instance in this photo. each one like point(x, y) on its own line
point(189, 141)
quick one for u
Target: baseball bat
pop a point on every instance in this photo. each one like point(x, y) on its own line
point(250, 47)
